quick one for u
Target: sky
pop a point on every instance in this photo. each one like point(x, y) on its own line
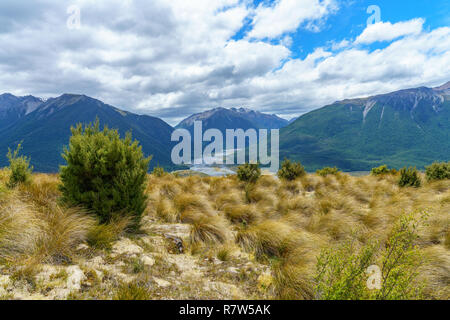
point(171, 59)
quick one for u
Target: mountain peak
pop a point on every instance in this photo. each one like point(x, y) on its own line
point(444, 87)
point(233, 118)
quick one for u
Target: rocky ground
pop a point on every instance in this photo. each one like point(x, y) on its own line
point(150, 260)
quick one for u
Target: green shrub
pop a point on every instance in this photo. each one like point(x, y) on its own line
point(19, 166)
point(291, 170)
point(342, 272)
point(438, 171)
point(158, 171)
point(326, 171)
point(105, 173)
point(135, 290)
point(249, 172)
point(409, 178)
point(102, 236)
point(380, 170)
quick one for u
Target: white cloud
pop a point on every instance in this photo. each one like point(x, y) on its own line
point(386, 31)
point(174, 58)
point(287, 15)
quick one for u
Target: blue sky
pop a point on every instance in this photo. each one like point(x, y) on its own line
point(350, 19)
point(174, 58)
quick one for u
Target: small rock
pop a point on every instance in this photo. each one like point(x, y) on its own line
point(82, 247)
point(161, 282)
point(96, 262)
point(4, 280)
point(265, 280)
point(126, 246)
point(233, 270)
point(148, 261)
point(75, 277)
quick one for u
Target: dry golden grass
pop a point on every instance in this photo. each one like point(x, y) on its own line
point(283, 224)
point(290, 222)
point(209, 229)
point(62, 230)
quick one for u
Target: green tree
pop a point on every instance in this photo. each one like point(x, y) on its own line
point(249, 172)
point(327, 170)
point(291, 170)
point(105, 173)
point(341, 273)
point(409, 178)
point(158, 171)
point(19, 166)
point(438, 171)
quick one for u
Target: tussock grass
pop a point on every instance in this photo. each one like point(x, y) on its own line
point(242, 213)
point(62, 230)
point(284, 224)
point(209, 229)
point(132, 291)
point(18, 230)
point(166, 211)
point(269, 238)
point(42, 190)
point(101, 236)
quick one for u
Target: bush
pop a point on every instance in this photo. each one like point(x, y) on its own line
point(291, 170)
point(409, 178)
point(249, 172)
point(326, 171)
point(344, 273)
point(379, 170)
point(158, 171)
point(132, 291)
point(105, 173)
point(382, 170)
point(102, 236)
point(438, 171)
point(19, 166)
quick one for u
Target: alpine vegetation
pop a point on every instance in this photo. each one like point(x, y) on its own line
point(104, 173)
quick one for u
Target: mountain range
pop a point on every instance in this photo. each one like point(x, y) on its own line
point(234, 118)
point(403, 128)
point(407, 127)
point(44, 127)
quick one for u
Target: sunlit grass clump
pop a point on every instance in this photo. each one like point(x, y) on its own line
point(318, 235)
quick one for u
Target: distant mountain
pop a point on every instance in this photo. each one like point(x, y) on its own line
point(292, 120)
point(222, 119)
point(44, 128)
point(13, 108)
point(406, 127)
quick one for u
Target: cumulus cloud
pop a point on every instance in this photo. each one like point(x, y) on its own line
point(386, 31)
point(173, 58)
point(287, 15)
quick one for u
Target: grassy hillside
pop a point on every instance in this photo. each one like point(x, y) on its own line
point(356, 135)
point(239, 242)
point(46, 131)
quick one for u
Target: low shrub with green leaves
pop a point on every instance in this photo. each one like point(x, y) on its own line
point(438, 171)
point(19, 166)
point(327, 170)
point(380, 170)
point(158, 171)
point(249, 172)
point(291, 170)
point(373, 271)
point(409, 178)
point(104, 173)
